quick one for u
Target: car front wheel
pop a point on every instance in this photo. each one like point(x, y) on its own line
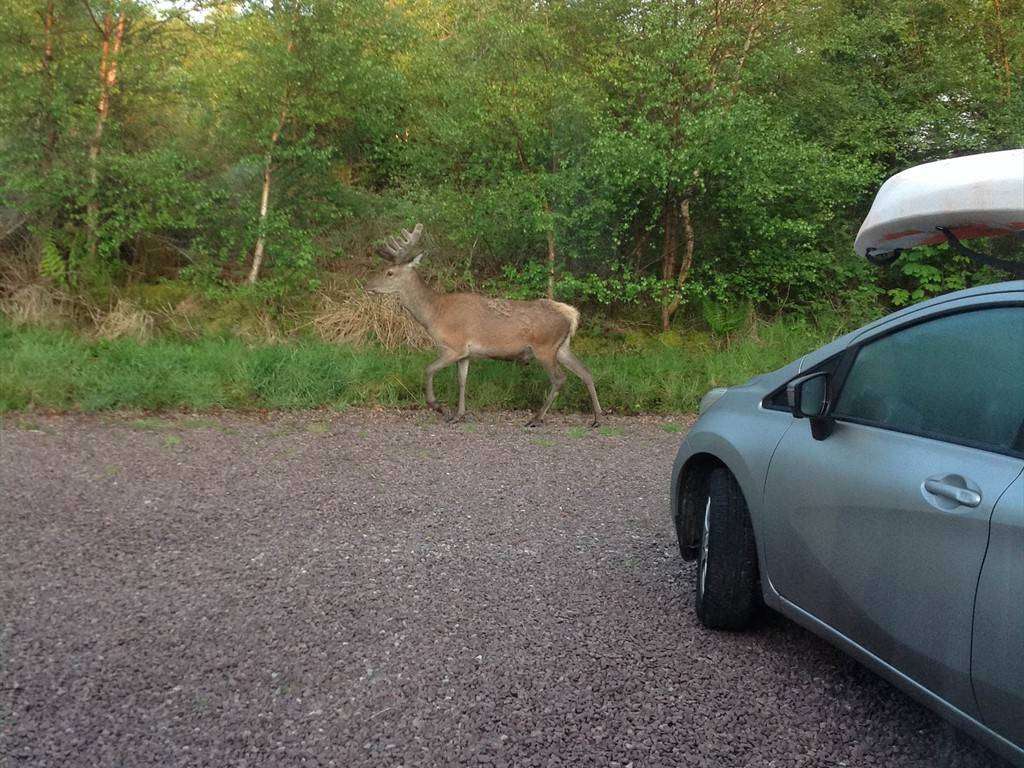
point(727, 577)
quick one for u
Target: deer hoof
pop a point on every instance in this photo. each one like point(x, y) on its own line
point(595, 423)
point(535, 422)
point(455, 418)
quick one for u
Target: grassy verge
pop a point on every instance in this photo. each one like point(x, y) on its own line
point(59, 370)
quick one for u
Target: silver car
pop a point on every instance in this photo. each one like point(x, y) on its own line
point(873, 492)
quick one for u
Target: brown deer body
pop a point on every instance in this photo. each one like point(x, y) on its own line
point(468, 325)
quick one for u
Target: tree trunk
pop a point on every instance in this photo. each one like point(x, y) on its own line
point(684, 269)
point(551, 235)
point(551, 250)
point(268, 169)
point(113, 35)
point(639, 242)
point(551, 259)
point(751, 32)
point(48, 38)
point(669, 247)
point(1007, 77)
point(51, 125)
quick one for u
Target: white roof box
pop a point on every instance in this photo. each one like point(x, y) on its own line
point(973, 196)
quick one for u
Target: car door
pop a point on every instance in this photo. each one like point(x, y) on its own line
point(997, 665)
point(880, 529)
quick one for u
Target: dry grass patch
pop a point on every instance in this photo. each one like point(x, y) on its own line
point(126, 320)
point(260, 328)
point(190, 306)
point(37, 305)
point(358, 318)
point(18, 267)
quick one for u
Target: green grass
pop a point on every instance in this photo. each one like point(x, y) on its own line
point(58, 370)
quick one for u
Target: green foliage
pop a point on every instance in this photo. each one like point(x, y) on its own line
point(725, 317)
point(145, 192)
point(927, 272)
point(51, 263)
point(622, 286)
point(158, 296)
point(504, 125)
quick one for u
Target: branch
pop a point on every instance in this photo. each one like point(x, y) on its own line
point(143, 33)
point(755, 24)
point(93, 17)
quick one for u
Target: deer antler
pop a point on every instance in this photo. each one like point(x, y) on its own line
point(400, 249)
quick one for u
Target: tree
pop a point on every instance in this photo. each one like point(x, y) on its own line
point(719, 152)
point(506, 108)
point(111, 38)
point(298, 87)
point(680, 64)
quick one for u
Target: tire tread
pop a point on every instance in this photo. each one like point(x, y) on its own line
point(731, 596)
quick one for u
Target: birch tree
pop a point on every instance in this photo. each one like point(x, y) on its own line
point(110, 25)
point(298, 89)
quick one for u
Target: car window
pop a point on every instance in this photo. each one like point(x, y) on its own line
point(957, 378)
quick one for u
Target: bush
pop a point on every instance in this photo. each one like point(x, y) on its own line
point(622, 286)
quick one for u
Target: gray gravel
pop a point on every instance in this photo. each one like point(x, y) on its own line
point(377, 589)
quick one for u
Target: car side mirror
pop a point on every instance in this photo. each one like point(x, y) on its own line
point(808, 396)
point(808, 399)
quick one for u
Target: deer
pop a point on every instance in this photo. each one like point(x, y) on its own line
point(464, 326)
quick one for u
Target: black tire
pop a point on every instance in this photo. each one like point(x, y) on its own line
point(728, 589)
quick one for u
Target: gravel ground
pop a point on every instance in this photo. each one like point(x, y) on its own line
point(376, 589)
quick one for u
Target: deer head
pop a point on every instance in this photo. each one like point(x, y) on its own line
point(401, 252)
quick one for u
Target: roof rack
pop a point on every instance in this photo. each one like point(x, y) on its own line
point(1015, 268)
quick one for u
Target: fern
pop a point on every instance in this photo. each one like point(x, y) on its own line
point(724, 318)
point(52, 264)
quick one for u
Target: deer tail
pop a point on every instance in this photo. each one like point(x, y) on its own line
point(570, 313)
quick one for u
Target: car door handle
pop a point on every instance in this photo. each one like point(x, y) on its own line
point(962, 496)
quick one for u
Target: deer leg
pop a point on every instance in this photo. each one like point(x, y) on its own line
point(557, 376)
point(570, 361)
point(463, 373)
point(447, 358)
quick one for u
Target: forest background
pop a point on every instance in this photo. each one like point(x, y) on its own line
point(190, 191)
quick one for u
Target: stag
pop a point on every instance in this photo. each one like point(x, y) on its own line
point(468, 325)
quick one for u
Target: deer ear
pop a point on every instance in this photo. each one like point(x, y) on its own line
point(416, 262)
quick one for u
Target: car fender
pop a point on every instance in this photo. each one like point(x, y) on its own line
point(744, 447)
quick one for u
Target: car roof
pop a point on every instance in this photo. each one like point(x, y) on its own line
point(839, 344)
